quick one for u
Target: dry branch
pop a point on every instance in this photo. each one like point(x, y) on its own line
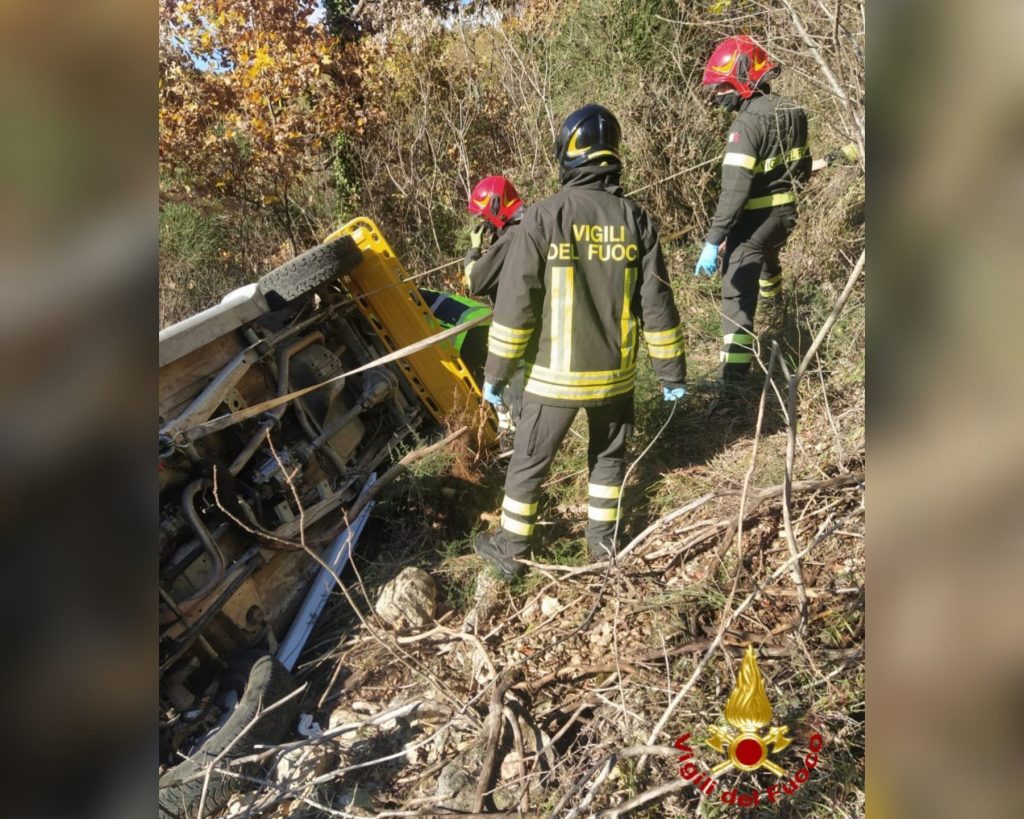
point(493, 728)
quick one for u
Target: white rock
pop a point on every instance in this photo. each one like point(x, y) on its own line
point(481, 671)
point(410, 599)
point(301, 764)
point(603, 635)
point(510, 766)
point(550, 606)
point(242, 802)
point(343, 716)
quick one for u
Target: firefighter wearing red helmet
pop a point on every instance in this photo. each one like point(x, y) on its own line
point(498, 204)
point(766, 162)
point(585, 278)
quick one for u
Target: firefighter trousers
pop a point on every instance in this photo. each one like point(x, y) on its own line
point(750, 270)
point(539, 434)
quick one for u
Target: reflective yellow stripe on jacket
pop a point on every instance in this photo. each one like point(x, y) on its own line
point(759, 202)
point(549, 383)
point(664, 343)
point(508, 342)
point(627, 340)
point(772, 162)
point(740, 160)
point(562, 283)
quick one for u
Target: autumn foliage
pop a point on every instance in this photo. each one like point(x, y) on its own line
point(251, 92)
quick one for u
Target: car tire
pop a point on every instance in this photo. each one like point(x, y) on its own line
point(269, 681)
point(308, 270)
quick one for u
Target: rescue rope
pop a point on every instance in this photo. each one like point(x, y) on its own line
point(674, 175)
point(632, 466)
point(668, 238)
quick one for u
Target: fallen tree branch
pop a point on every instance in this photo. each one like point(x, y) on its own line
point(574, 673)
point(493, 727)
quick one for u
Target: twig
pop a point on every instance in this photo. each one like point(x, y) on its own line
point(517, 737)
point(753, 454)
point(663, 521)
point(563, 674)
point(398, 468)
point(812, 46)
point(642, 799)
point(606, 765)
point(794, 386)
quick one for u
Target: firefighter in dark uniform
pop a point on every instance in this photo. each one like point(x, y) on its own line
point(584, 274)
point(766, 162)
point(495, 200)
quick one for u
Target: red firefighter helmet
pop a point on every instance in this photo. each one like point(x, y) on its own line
point(740, 62)
point(495, 199)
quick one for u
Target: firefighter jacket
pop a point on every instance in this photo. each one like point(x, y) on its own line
point(766, 160)
point(482, 271)
point(584, 273)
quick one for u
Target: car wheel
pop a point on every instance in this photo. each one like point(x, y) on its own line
point(269, 681)
point(308, 270)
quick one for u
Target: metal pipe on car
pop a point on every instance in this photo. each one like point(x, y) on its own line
point(242, 569)
point(284, 356)
point(377, 386)
point(301, 413)
point(209, 544)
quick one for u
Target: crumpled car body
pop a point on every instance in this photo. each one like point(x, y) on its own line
point(267, 439)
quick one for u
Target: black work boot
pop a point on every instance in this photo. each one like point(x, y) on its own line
point(601, 551)
point(731, 396)
point(499, 554)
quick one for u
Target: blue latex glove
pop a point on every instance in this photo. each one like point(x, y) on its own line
point(674, 393)
point(707, 264)
point(492, 394)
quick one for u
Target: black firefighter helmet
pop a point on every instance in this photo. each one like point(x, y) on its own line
point(589, 134)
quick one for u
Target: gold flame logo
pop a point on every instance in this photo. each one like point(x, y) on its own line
point(748, 710)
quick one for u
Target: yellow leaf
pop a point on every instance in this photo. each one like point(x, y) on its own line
point(260, 61)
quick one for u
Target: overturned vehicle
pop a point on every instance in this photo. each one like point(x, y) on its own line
point(277, 406)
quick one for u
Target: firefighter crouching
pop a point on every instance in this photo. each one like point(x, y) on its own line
point(766, 161)
point(500, 208)
point(584, 273)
